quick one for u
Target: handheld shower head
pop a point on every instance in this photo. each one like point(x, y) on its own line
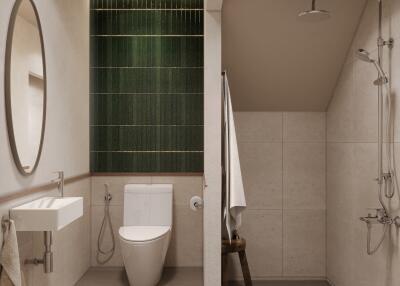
point(364, 55)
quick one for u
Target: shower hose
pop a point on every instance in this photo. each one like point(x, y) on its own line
point(107, 253)
point(371, 250)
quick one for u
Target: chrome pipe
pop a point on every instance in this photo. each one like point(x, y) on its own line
point(47, 259)
point(48, 254)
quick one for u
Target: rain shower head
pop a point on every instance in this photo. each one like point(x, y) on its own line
point(314, 15)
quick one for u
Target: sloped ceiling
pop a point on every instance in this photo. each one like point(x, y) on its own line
point(276, 62)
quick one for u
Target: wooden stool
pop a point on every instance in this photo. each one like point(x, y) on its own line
point(236, 245)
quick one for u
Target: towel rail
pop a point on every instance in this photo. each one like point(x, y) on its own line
point(41, 188)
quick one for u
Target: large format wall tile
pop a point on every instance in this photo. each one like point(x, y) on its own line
point(186, 247)
point(352, 166)
point(365, 103)
point(304, 127)
point(339, 114)
point(304, 243)
point(259, 126)
point(261, 165)
point(283, 162)
point(304, 175)
point(263, 232)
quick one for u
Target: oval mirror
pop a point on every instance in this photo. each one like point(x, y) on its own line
point(25, 86)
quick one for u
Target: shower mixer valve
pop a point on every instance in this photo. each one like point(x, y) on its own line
point(380, 217)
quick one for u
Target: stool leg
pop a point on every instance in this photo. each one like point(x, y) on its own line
point(224, 265)
point(245, 268)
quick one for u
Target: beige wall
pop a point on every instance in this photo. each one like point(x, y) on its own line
point(212, 143)
point(65, 28)
point(186, 247)
point(352, 160)
point(283, 164)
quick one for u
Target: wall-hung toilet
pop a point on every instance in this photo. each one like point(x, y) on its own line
point(146, 233)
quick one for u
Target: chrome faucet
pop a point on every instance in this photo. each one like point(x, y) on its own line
point(60, 182)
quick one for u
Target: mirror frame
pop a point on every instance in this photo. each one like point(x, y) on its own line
point(7, 85)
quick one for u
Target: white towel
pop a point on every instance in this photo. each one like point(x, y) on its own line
point(235, 197)
point(11, 274)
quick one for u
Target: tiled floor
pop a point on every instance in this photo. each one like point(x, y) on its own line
point(172, 277)
point(117, 277)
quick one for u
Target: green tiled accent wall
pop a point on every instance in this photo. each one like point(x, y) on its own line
point(146, 103)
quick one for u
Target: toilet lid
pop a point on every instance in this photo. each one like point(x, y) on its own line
point(142, 233)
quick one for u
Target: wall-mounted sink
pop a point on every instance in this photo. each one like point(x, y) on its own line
point(47, 214)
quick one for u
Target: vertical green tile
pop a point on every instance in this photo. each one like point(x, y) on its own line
point(148, 116)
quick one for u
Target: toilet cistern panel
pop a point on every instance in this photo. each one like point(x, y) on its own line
point(148, 205)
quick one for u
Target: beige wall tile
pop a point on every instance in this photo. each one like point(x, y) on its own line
point(393, 58)
point(304, 127)
point(185, 187)
point(116, 187)
point(352, 167)
point(367, 32)
point(262, 230)
point(304, 175)
point(339, 248)
point(116, 213)
point(346, 256)
point(24, 237)
point(259, 126)
point(186, 247)
point(26, 252)
point(364, 171)
point(304, 243)
point(261, 165)
point(339, 114)
point(365, 103)
point(49, 279)
point(340, 179)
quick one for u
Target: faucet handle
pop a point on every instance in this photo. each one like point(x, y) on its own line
point(375, 210)
point(379, 212)
point(60, 178)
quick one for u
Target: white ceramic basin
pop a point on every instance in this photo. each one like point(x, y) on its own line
point(47, 214)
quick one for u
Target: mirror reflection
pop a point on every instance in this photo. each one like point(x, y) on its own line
point(26, 87)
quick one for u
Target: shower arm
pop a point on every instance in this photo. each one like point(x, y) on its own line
point(380, 70)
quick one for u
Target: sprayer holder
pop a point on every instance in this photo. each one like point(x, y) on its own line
point(389, 43)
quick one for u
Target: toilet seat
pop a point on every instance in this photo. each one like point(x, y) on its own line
point(143, 233)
